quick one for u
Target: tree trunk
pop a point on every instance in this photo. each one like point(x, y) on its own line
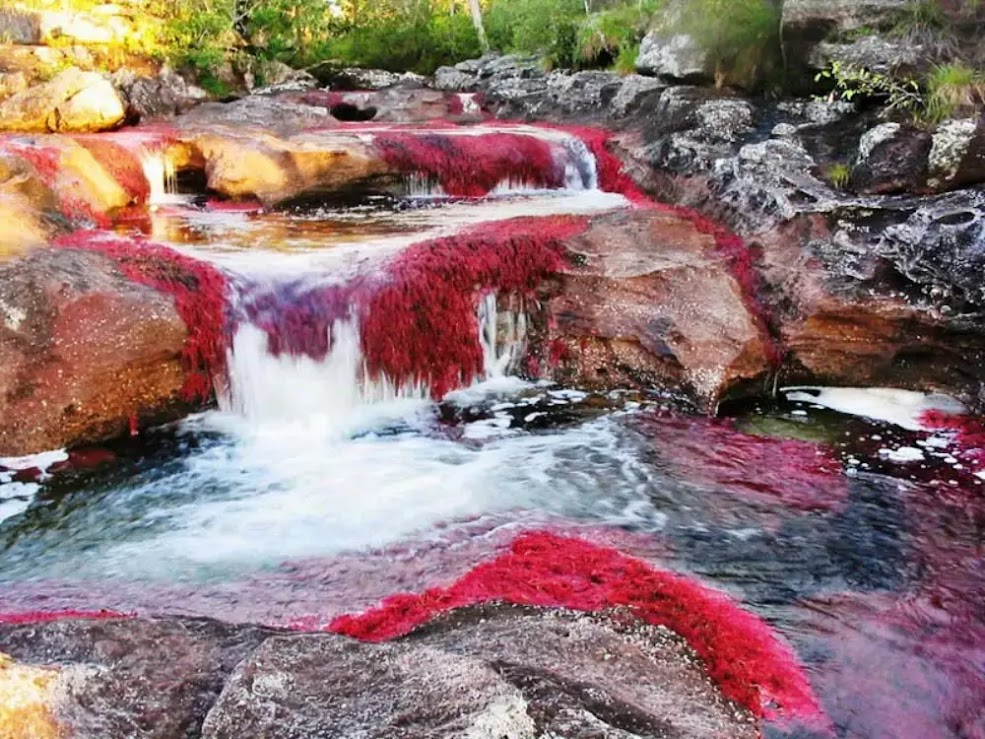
point(480, 29)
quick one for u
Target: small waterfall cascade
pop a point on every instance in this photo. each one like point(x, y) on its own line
point(269, 389)
point(161, 175)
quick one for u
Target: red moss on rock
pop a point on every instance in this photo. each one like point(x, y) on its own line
point(968, 432)
point(38, 617)
point(470, 165)
point(421, 325)
point(120, 163)
point(742, 654)
point(198, 289)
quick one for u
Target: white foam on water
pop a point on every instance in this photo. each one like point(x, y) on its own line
point(903, 408)
point(16, 497)
point(41, 461)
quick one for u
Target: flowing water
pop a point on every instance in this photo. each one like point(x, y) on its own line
point(840, 517)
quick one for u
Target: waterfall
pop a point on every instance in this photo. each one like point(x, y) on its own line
point(161, 175)
point(269, 389)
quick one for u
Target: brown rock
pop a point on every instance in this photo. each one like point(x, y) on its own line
point(652, 302)
point(26, 693)
point(25, 204)
point(73, 101)
point(82, 351)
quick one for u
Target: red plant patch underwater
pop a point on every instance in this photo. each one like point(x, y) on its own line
point(39, 617)
point(741, 653)
point(199, 292)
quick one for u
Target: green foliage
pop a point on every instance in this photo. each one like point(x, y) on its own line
point(626, 60)
point(419, 42)
point(852, 83)
point(953, 89)
point(547, 27)
point(742, 38)
point(838, 174)
point(611, 34)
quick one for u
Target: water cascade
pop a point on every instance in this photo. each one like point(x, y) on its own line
point(162, 178)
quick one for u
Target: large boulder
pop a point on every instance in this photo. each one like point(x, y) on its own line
point(27, 208)
point(247, 163)
point(486, 672)
point(84, 352)
point(650, 299)
point(673, 57)
point(74, 101)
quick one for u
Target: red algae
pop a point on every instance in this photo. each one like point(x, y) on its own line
point(38, 617)
point(968, 432)
point(198, 289)
point(472, 165)
point(801, 475)
point(421, 325)
point(119, 163)
point(742, 654)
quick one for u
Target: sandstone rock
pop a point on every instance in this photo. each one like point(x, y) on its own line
point(164, 95)
point(27, 208)
point(129, 678)
point(891, 159)
point(72, 101)
point(674, 57)
point(19, 26)
point(273, 77)
point(654, 302)
point(246, 163)
point(82, 350)
point(85, 189)
point(26, 692)
point(485, 672)
point(11, 83)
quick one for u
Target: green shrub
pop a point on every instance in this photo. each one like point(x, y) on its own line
point(742, 38)
point(953, 89)
point(546, 27)
point(852, 83)
point(611, 34)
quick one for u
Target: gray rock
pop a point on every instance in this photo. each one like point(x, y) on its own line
point(453, 80)
point(165, 95)
point(725, 119)
point(872, 52)
point(891, 159)
point(635, 91)
point(819, 18)
point(141, 679)
point(485, 673)
point(583, 91)
point(673, 57)
point(20, 26)
point(951, 143)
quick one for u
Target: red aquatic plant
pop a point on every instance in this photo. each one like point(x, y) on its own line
point(421, 324)
point(471, 165)
point(198, 289)
point(37, 617)
point(742, 654)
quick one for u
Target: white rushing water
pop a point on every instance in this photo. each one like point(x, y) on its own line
point(161, 176)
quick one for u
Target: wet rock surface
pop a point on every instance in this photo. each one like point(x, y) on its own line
point(484, 671)
point(650, 301)
point(132, 678)
point(84, 351)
